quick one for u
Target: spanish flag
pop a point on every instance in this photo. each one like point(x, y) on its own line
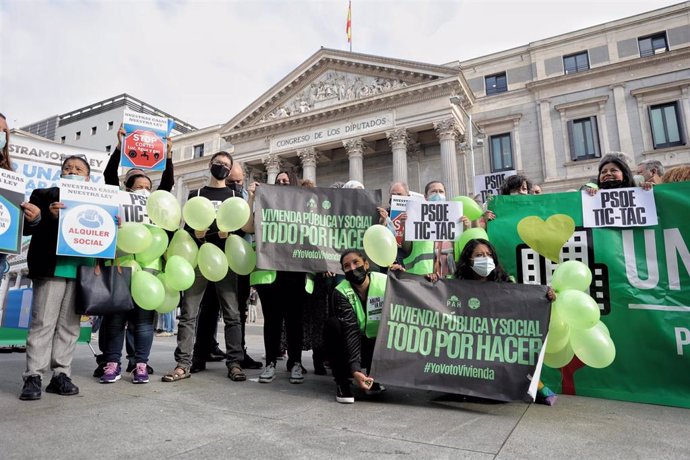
point(348, 28)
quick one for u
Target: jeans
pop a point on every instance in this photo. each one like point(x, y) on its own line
point(113, 334)
point(168, 321)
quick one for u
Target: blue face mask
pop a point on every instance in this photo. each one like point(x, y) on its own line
point(437, 197)
point(73, 177)
point(3, 140)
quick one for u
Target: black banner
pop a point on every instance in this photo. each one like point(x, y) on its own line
point(306, 229)
point(468, 337)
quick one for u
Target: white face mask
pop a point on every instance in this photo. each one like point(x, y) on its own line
point(483, 266)
point(142, 192)
point(73, 177)
point(437, 197)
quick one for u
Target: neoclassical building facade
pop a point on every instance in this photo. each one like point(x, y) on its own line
point(549, 109)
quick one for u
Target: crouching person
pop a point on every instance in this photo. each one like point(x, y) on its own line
point(349, 335)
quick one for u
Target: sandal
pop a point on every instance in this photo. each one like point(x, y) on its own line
point(236, 374)
point(179, 373)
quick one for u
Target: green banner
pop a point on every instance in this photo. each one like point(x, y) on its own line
point(641, 280)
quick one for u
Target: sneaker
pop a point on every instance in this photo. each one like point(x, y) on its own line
point(111, 373)
point(376, 389)
point(268, 374)
point(131, 366)
point(62, 385)
point(32, 388)
point(343, 393)
point(140, 374)
point(296, 374)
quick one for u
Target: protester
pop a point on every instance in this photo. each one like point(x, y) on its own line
point(536, 189)
point(479, 262)
point(516, 185)
point(54, 326)
point(282, 297)
point(167, 324)
point(137, 324)
point(350, 334)
point(226, 289)
point(651, 171)
point(613, 173)
point(677, 174)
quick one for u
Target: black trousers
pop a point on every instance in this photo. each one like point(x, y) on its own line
point(283, 300)
point(336, 350)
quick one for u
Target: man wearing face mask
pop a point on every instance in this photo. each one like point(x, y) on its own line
point(350, 335)
point(226, 289)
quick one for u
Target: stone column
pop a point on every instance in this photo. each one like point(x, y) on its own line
point(548, 147)
point(622, 123)
point(447, 134)
point(308, 157)
point(272, 163)
point(398, 140)
point(355, 152)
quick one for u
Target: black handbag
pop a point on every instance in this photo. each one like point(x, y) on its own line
point(103, 290)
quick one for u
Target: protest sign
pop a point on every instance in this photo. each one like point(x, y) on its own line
point(621, 207)
point(12, 193)
point(640, 279)
point(433, 220)
point(398, 208)
point(488, 185)
point(145, 142)
point(306, 229)
point(87, 222)
point(133, 208)
point(39, 161)
point(467, 337)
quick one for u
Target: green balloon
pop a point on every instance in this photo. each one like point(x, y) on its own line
point(159, 243)
point(380, 245)
point(240, 255)
point(183, 245)
point(172, 297)
point(470, 208)
point(467, 235)
point(179, 274)
point(559, 333)
point(147, 290)
point(199, 213)
point(131, 263)
point(133, 237)
point(164, 210)
point(593, 346)
point(578, 310)
point(212, 262)
point(232, 214)
point(560, 358)
point(571, 274)
point(602, 327)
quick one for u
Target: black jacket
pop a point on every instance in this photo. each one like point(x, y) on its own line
point(345, 313)
point(111, 178)
point(41, 258)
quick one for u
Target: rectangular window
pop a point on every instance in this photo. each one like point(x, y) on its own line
point(63, 139)
point(501, 153)
point(584, 138)
point(198, 151)
point(496, 84)
point(665, 120)
point(93, 130)
point(654, 44)
point(110, 126)
point(77, 135)
point(107, 148)
point(576, 62)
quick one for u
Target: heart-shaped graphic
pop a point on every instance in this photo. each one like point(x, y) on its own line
point(547, 238)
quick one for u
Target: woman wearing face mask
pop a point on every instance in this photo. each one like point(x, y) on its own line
point(135, 327)
point(5, 163)
point(479, 262)
point(54, 326)
point(614, 172)
point(516, 185)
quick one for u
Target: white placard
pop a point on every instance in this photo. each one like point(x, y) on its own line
point(133, 208)
point(488, 185)
point(620, 207)
point(433, 221)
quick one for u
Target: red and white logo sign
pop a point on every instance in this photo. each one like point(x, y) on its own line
point(144, 148)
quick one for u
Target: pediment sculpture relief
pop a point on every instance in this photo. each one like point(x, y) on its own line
point(333, 88)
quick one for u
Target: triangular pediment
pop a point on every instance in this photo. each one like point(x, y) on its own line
point(331, 79)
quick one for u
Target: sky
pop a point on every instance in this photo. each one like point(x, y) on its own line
point(204, 61)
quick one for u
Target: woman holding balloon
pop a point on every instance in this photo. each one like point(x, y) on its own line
point(137, 323)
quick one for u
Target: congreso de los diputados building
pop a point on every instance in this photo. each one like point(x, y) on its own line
point(548, 109)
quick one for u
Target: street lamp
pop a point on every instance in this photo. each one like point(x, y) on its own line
point(457, 101)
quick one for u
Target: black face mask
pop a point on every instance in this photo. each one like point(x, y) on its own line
point(611, 184)
point(235, 187)
point(220, 172)
point(356, 276)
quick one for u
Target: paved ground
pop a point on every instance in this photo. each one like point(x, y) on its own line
point(209, 416)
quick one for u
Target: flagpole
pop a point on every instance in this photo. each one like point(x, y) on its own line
point(348, 28)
